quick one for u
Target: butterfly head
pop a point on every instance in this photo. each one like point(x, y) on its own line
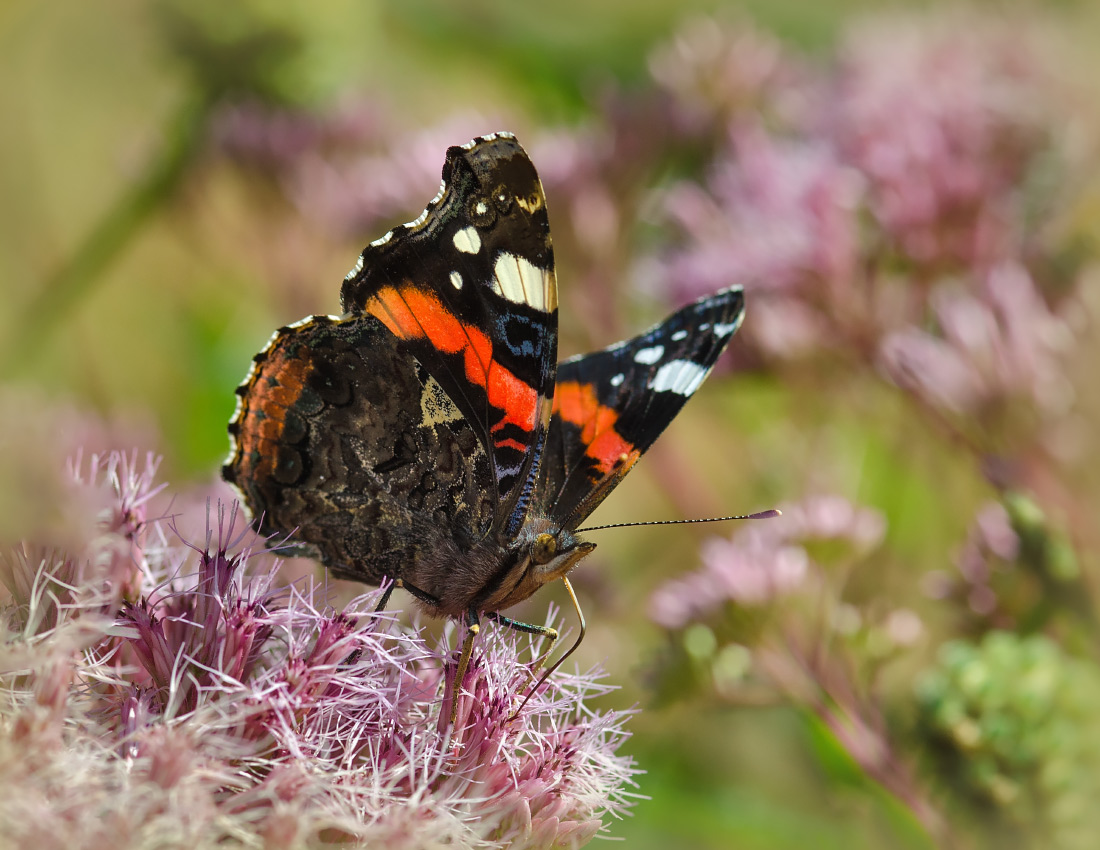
point(542, 552)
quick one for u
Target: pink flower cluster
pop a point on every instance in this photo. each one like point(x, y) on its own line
point(176, 694)
point(991, 542)
point(713, 71)
point(927, 126)
point(344, 169)
point(779, 216)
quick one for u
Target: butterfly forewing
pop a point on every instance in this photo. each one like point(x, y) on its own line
point(610, 406)
point(469, 289)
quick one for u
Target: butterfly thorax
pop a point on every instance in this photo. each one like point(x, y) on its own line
point(496, 572)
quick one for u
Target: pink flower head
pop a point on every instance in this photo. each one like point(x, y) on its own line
point(203, 631)
point(217, 709)
point(51, 585)
point(991, 542)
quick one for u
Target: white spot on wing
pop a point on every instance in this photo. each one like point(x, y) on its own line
point(521, 281)
point(618, 380)
point(456, 280)
point(679, 335)
point(724, 329)
point(679, 376)
point(481, 208)
point(649, 356)
point(436, 406)
point(467, 241)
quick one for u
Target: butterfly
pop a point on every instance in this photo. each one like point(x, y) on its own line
point(428, 437)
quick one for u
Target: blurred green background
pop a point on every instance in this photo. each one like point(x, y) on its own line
point(145, 260)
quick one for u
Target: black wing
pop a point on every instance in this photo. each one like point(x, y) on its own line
point(611, 405)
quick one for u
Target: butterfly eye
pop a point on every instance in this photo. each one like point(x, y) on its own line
point(546, 547)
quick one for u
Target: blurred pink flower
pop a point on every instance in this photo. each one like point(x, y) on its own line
point(779, 216)
point(991, 537)
point(745, 572)
point(828, 517)
point(47, 582)
point(916, 148)
point(991, 543)
point(38, 499)
point(346, 170)
point(942, 116)
point(765, 560)
point(714, 70)
point(361, 191)
point(998, 345)
point(262, 136)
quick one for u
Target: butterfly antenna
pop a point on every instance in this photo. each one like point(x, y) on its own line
point(560, 661)
point(577, 605)
point(769, 514)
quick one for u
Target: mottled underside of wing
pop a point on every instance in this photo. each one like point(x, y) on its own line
point(329, 450)
point(611, 405)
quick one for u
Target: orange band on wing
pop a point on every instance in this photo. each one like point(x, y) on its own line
point(276, 386)
point(412, 314)
point(576, 403)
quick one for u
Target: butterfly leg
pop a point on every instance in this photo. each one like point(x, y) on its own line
point(572, 649)
point(354, 657)
point(547, 632)
point(386, 594)
point(417, 593)
point(472, 629)
point(413, 590)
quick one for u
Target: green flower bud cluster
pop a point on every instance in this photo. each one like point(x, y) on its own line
point(1014, 726)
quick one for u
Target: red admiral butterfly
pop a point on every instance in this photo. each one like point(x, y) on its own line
point(429, 436)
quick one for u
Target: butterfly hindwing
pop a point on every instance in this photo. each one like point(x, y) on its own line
point(610, 406)
point(326, 446)
point(469, 290)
